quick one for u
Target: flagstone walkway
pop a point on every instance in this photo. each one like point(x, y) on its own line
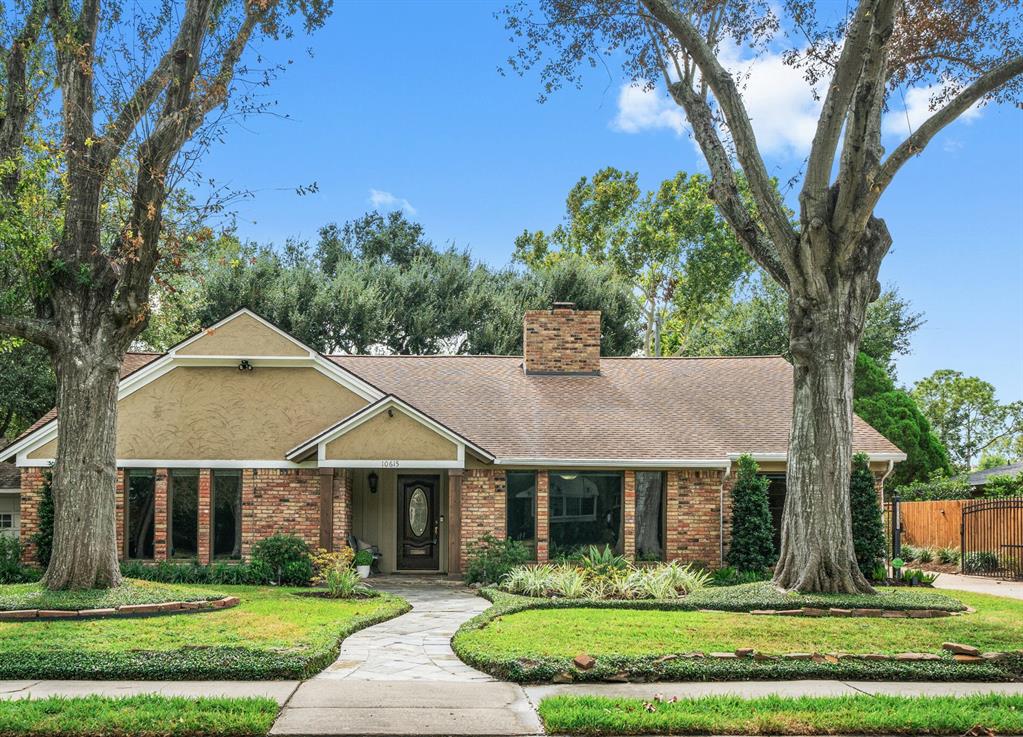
point(417, 645)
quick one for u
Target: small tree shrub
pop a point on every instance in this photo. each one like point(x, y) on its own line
point(287, 557)
point(11, 570)
point(867, 523)
point(489, 559)
point(938, 488)
point(1003, 486)
point(752, 547)
point(43, 537)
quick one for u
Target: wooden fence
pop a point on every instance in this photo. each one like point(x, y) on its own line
point(932, 524)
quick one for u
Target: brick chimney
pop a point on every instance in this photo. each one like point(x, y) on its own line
point(561, 340)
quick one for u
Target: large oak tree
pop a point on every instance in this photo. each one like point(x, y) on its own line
point(133, 98)
point(857, 54)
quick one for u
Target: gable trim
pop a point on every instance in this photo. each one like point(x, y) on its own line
point(320, 441)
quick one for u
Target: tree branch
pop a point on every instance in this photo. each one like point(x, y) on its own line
point(40, 332)
point(916, 143)
point(18, 110)
point(772, 211)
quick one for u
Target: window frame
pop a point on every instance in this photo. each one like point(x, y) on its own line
point(226, 472)
point(619, 546)
point(662, 522)
point(128, 473)
point(183, 473)
point(529, 542)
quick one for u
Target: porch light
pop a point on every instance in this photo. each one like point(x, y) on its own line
point(373, 480)
point(245, 366)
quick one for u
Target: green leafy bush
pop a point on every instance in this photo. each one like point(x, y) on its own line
point(948, 556)
point(752, 547)
point(288, 558)
point(11, 569)
point(490, 559)
point(43, 537)
point(662, 581)
point(983, 561)
point(602, 562)
point(363, 558)
point(924, 555)
point(728, 576)
point(1004, 486)
point(228, 574)
point(909, 553)
point(867, 523)
point(938, 488)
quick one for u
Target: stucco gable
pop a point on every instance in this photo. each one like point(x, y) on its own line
point(242, 334)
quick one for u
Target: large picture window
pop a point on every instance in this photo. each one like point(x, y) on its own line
point(141, 512)
point(585, 509)
point(227, 514)
point(521, 507)
point(183, 492)
point(650, 518)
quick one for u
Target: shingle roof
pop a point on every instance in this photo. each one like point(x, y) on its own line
point(979, 478)
point(10, 476)
point(637, 408)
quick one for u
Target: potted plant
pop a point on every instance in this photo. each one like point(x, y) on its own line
point(363, 561)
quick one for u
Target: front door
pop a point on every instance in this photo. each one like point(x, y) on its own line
point(418, 523)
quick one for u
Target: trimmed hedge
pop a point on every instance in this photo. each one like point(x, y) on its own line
point(187, 663)
point(34, 596)
point(661, 668)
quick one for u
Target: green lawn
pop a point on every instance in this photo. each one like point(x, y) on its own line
point(537, 644)
point(273, 633)
point(34, 596)
point(138, 716)
point(873, 715)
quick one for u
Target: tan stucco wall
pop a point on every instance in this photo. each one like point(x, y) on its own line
point(221, 413)
point(375, 516)
point(243, 336)
point(401, 437)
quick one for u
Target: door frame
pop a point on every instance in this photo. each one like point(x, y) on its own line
point(399, 479)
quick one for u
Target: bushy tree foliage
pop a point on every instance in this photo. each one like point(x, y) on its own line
point(752, 547)
point(894, 414)
point(867, 523)
point(27, 385)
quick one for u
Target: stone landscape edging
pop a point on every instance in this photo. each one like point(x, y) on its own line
point(125, 610)
point(807, 611)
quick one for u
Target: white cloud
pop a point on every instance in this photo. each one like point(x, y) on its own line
point(387, 201)
point(641, 109)
point(903, 119)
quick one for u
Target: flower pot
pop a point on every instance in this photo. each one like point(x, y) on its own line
point(363, 571)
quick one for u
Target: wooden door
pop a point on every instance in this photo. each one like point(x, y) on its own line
point(418, 523)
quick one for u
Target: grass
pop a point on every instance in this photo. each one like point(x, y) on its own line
point(35, 596)
point(774, 715)
point(138, 716)
point(765, 595)
point(599, 632)
point(272, 633)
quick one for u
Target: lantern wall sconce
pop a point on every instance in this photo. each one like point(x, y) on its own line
point(374, 481)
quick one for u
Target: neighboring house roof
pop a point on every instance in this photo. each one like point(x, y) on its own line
point(636, 408)
point(979, 478)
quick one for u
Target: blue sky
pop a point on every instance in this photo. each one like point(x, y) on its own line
point(401, 104)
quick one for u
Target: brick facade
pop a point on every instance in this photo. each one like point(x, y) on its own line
point(543, 527)
point(629, 514)
point(342, 501)
point(561, 340)
point(32, 482)
point(484, 496)
point(694, 516)
point(283, 500)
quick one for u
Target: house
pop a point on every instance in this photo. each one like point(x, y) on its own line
point(10, 491)
point(978, 479)
point(242, 431)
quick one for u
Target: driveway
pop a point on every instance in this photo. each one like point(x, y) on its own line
point(980, 585)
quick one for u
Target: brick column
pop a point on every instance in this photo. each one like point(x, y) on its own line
point(204, 544)
point(672, 524)
point(160, 541)
point(629, 515)
point(543, 510)
point(455, 522)
point(700, 516)
point(121, 512)
point(32, 482)
point(342, 501)
point(727, 484)
point(248, 511)
point(327, 508)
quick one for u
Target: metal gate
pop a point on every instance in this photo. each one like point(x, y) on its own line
point(991, 537)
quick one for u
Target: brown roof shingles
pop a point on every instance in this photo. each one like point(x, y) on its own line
point(643, 409)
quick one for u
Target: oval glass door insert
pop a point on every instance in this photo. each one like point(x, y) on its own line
point(418, 512)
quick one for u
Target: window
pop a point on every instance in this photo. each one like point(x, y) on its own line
point(183, 492)
point(585, 509)
point(141, 511)
point(227, 514)
point(6, 521)
point(521, 507)
point(650, 517)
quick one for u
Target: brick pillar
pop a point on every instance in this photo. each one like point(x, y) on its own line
point(248, 511)
point(327, 508)
point(700, 516)
point(543, 510)
point(455, 522)
point(204, 543)
point(342, 501)
point(160, 541)
point(672, 528)
point(629, 515)
point(726, 513)
point(121, 512)
point(32, 482)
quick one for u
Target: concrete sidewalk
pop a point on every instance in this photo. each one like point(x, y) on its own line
point(280, 691)
point(980, 585)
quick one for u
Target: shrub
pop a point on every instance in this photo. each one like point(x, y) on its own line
point(924, 555)
point(324, 562)
point(528, 580)
point(728, 576)
point(981, 562)
point(597, 562)
point(1003, 486)
point(363, 558)
point(230, 574)
point(948, 556)
point(752, 547)
point(343, 582)
point(287, 557)
point(43, 537)
point(489, 559)
point(11, 570)
point(909, 553)
point(939, 487)
point(867, 524)
point(569, 582)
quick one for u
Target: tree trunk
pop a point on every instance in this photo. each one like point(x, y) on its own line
point(85, 475)
point(817, 553)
